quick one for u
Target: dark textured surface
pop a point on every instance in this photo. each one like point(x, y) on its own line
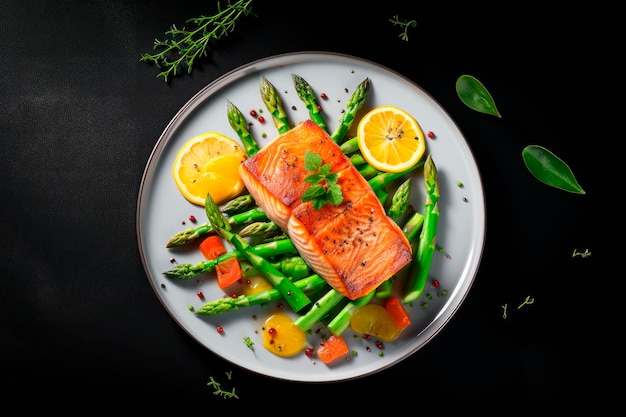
point(80, 116)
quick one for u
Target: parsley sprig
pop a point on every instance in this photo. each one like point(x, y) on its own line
point(324, 188)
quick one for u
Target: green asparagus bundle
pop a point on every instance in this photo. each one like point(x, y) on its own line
point(294, 296)
point(187, 270)
point(274, 104)
point(306, 285)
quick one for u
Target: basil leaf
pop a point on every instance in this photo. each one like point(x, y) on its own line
point(550, 169)
point(475, 96)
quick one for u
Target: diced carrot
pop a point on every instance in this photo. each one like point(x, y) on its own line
point(399, 314)
point(228, 272)
point(332, 348)
point(212, 247)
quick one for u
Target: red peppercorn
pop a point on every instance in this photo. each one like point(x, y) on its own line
point(380, 345)
point(219, 329)
point(253, 113)
point(309, 351)
point(435, 283)
point(234, 295)
point(271, 331)
point(200, 295)
point(431, 134)
point(192, 218)
point(261, 119)
point(324, 96)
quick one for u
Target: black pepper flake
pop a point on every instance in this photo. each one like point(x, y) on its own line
point(172, 260)
point(294, 108)
point(465, 199)
point(162, 285)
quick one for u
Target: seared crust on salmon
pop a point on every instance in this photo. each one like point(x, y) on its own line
point(354, 246)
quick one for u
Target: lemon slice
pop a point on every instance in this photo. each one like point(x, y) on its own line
point(390, 139)
point(209, 164)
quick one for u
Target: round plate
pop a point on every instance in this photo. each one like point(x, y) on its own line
point(162, 211)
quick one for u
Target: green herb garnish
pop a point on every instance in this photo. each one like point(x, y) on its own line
point(405, 25)
point(324, 188)
point(182, 47)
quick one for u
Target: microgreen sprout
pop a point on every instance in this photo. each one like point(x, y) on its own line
point(584, 254)
point(248, 342)
point(527, 301)
point(218, 388)
point(404, 24)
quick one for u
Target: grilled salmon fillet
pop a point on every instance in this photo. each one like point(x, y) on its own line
point(354, 246)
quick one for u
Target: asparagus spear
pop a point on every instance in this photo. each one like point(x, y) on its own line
point(350, 146)
point(295, 267)
point(399, 204)
point(341, 321)
point(238, 204)
point(259, 229)
point(428, 237)
point(188, 270)
point(240, 126)
point(212, 308)
point(294, 296)
point(186, 236)
point(356, 101)
point(274, 105)
point(319, 309)
point(305, 92)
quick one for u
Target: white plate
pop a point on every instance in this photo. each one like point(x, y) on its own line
point(162, 211)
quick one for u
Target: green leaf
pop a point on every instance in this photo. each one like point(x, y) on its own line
point(474, 94)
point(550, 169)
point(313, 192)
point(312, 161)
point(334, 194)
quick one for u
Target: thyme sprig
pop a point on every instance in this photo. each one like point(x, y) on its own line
point(324, 188)
point(183, 46)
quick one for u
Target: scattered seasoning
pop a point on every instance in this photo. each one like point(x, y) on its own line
point(309, 351)
point(162, 285)
point(271, 331)
point(190, 307)
point(200, 295)
point(294, 108)
point(199, 281)
point(380, 345)
point(527, 301)
point(172, 260)
point(465, 200)
point(220, 329)
point(234, 295)
point(324, 96)
point(253, 113)
point(431, 134)
point(584, 254)
point(263, 135)
point(459, 184)
point(192, 218)
point(261, 119)
point(345, 90)
point(368, 349)
point(424, 305)
point(354, 352)
point(442, 293)
point(366, 337)
point(381, 353)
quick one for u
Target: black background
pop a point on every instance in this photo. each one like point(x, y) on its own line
point(81, 114)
